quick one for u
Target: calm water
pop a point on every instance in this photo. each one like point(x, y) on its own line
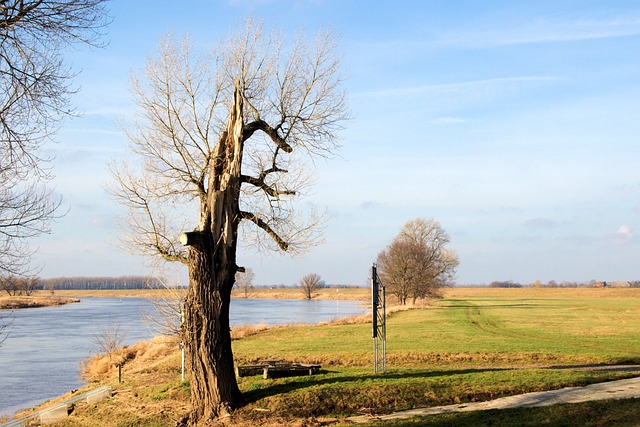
point(40, 359)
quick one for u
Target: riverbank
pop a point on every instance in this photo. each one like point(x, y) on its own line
point(34, 301)
point(352, 294)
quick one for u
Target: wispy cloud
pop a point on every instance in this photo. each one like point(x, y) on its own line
point(484, 85)
point(561, 28)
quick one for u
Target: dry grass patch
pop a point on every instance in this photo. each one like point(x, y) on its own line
point(561, 293)
point(243, 331)
point(140, 357)
point(18, 302)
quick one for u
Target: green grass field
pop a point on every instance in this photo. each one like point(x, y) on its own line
point(472, 347)
point(505, 330)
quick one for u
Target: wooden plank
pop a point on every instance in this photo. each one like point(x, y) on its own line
point(249, 370)
point(289, 371)
point(277, 369)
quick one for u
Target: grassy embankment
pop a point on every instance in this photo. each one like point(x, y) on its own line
point(474, 345)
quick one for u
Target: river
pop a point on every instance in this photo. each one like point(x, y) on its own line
point(40, 359)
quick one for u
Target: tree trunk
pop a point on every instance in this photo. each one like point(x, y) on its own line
point(212, 269)
point(214, 389)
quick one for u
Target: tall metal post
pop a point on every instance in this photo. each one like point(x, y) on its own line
point(379, 322)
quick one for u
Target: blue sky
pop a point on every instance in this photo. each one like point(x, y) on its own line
point(513, 124)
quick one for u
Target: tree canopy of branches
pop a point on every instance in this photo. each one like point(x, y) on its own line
point(417, 263)
point(34, 97)
point(222, 139)
point(309, 284)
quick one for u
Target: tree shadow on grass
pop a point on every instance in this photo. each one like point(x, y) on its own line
point(300, 383)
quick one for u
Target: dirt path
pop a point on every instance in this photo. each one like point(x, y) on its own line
point(620, 389)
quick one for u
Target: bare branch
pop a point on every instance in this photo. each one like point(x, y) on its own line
point(35, 96)
point(273, 134)
point(266, 227)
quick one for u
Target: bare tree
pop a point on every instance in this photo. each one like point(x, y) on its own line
point(417, 263)
point(244, 281)
point(110, 338)
point(166, 316)
point(34, 97)
point(309, 284)
point(222, 140)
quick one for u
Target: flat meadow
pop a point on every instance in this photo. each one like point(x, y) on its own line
point(471, 327)
point(471, 345)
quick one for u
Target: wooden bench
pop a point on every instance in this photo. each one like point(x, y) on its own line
point(290, 370)
point(277, 369)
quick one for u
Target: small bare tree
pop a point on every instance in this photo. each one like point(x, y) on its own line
point(110, 338)
point(222, 140)
point(417, 263)
point(244, 281)
point(34, 98)
point(310, 284)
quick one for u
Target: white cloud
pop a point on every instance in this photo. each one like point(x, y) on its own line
point(484, 86)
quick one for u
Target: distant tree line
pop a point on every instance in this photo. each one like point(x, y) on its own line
point(504, 284)
point(99, 283)
point(564, 284)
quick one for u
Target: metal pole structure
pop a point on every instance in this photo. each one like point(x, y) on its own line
point(374, 316)
point(379, 327)
point(384, 329)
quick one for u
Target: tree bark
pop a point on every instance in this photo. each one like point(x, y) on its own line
point(212, 268)
point(214, 389)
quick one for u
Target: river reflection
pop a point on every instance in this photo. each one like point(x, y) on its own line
point(40, 359)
